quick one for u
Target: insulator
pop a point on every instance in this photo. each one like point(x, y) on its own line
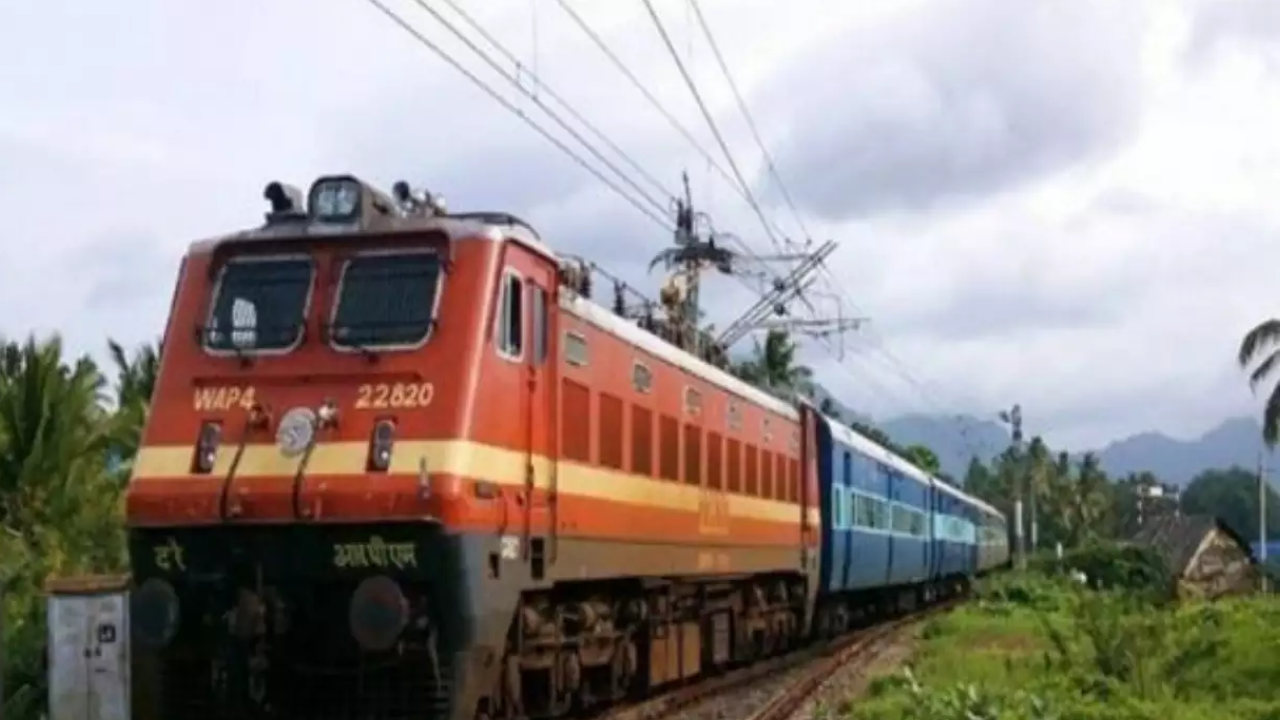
point(619, 298)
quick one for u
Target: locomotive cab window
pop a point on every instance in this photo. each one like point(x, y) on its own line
point(510, 326)
point(386, 301)
point(259, 305)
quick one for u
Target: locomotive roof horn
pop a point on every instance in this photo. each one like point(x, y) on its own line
point(418, 202)
point(286, 202)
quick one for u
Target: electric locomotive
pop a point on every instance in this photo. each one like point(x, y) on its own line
point(399, 465)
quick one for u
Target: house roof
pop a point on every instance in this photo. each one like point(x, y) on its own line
point(1176, 538)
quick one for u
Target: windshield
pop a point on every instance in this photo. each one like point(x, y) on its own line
point(259, 305)
point(386, 300)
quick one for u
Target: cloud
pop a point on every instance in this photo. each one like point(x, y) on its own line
point(956, 100)
point(1251, 22)
point(1109, 227)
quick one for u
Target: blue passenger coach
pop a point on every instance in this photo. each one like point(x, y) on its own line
point(891, 534)
point(875, 508)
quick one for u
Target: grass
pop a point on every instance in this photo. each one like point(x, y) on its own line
point(1037, 647)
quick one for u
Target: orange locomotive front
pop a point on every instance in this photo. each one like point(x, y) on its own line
point(396, 467)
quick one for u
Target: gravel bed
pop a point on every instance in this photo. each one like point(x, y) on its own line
point(739, 704)
point(850, 681)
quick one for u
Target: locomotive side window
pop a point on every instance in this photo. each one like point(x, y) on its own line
point(511, 317)
point(259, 305)
point(575, 349)
point(540, 330)
point(641, 377)
point(386, 301)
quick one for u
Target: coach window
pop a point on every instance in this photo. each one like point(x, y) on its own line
point(838, 520)
point(511, 317)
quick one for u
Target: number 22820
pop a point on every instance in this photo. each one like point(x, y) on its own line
point(394, 395)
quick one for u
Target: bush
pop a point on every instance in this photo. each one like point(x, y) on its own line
point(1113, 566)
point(1041, 646)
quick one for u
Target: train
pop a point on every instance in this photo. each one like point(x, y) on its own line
point(398, 464)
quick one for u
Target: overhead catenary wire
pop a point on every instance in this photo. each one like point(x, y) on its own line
point(711, 122)
point(514, 80)
point(544, 88)
point(894, 363)
point(510, 106)
point(675, 123)
point(648, 94)
point(746, 114)
point(657, 217)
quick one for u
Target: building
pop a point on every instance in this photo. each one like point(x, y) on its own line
point(1207, 558)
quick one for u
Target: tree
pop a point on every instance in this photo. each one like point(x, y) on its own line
point(978, 479)
point(1231, 495)
point(774, 366)
point(923, 458)
point(135, 383)
point(1262, 344)
point(828, 407)
point(60, 511)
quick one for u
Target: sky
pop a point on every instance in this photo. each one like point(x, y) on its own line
point(1068, 204)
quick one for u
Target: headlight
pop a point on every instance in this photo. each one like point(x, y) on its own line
point(335, 199)
point(378, 614)
point(295, 431)
point(154, 612)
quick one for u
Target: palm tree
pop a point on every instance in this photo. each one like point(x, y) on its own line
point(1262, 344)
point(774, 365)
point(59, 513)
point(135, 383)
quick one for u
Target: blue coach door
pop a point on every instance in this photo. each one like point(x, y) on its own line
point(886, 487)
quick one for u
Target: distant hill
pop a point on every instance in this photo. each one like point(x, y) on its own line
point(1235, 441)
point(956, 439)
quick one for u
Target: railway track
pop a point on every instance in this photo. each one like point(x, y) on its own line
point(778, 688)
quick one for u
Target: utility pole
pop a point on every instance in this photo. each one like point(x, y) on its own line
point(1013, 417)
point(1263, 470)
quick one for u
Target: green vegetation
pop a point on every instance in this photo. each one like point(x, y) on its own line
point(61, 424)
point(1040, 646)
